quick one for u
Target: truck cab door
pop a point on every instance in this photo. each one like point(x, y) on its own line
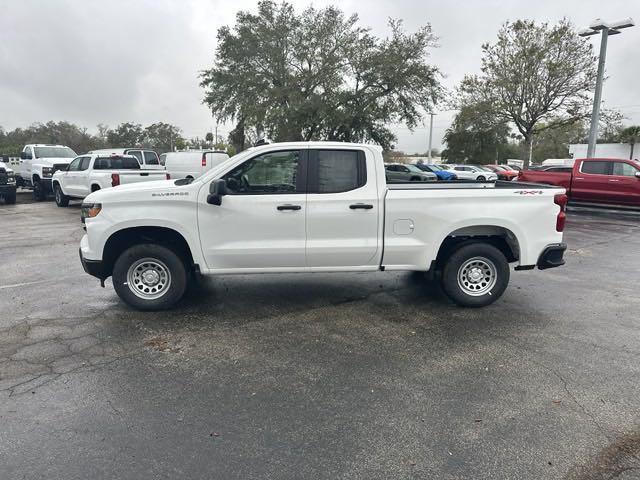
point(26, 163)
point(83, 187)
point(625, 186)
point(260, 223)
point(70, 180)
point(343, 209)
point(591, 182)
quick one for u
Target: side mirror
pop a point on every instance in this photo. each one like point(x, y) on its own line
point(25, 156)
point(637, 174)
point(217, 190)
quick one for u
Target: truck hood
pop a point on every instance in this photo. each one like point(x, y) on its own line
point(132, 190)
point(51, 161)
point(5, 167)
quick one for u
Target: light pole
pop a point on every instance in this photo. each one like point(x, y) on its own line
point(605, 29)
point(430, 136)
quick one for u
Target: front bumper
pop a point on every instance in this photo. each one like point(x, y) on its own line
point(7, 189)
point(551, 256)
point(95, 268)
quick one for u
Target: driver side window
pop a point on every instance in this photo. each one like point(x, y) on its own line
point(75, 165)
point(270, 173)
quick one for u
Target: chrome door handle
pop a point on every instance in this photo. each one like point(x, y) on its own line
point(289, 207)
point(614, 180)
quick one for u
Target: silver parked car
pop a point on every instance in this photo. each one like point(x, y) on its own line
point(400, 173)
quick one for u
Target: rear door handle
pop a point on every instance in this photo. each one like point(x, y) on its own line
point(614, 180)
point(361, 206)
point(289, 207)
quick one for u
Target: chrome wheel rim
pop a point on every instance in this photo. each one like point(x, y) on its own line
point(58, 196)
point(477, 276)
point(149, 278)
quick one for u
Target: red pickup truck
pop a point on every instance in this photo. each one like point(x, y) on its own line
point(613, 181)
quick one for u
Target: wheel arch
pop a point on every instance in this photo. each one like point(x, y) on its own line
point(503, 238)
point(122, 239)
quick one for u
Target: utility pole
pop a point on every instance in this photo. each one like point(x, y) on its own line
point(605, 29)
point(430, 134)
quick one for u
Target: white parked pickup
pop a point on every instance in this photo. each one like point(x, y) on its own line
point(91, 172)
point(317, 207)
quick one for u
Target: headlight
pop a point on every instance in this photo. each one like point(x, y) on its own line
point(89, 210)
point(47, 171)
point(11, 178)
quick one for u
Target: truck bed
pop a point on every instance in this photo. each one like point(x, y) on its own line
point(470, 184)
point(419, 217)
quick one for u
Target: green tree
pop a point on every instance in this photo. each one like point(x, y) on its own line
point(477, 136)
point(209, 138)
point(535, 76)
point(630, 135)
point(162, 136)
point(318, 75)
point(126, 135)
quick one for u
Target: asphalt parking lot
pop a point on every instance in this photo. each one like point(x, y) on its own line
point(361, 376)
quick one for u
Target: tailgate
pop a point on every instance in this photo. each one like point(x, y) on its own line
point(135, 176)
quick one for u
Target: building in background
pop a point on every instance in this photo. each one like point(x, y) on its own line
point(605, 150)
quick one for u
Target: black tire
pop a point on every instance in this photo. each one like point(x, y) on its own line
point(10, 198)
point(61, 199)
point(164, 258)
point(481, 178)
point(477, 258)
point(39, 193)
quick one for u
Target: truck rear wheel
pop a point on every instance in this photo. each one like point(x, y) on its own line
point(61, 199)
point(475, 275)
point(149, 277)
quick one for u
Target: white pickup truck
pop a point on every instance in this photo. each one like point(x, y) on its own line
point(38, 163)
point(92, 172)
point(317, 207)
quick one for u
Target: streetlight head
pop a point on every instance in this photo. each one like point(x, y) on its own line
point(599, 24)
point(626, 23)
point(613, 32)
point(587, 32)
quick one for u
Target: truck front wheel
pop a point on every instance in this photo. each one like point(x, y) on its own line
point(475, 275)
point(149, 277)
point(61, 199)
point(10, 198)
point(39, 193)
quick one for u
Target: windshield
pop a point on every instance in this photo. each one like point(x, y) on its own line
point(54, 152)
point(435, 168)
point(444, 167)
point(413, 168)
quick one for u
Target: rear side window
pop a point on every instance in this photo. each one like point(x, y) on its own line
point(116, 163)
point(624, 169)
point(335, 171)
point(151, 158)
point(595, 168)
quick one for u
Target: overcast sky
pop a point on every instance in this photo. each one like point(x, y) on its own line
point(93, 62)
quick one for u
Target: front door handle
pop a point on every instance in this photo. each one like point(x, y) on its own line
point(289, 207)
point(362, 206)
